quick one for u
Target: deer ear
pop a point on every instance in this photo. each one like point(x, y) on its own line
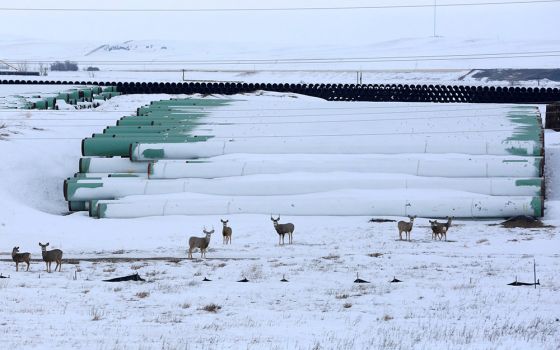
point(47, 243)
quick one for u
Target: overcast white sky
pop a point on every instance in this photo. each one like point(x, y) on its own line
point(337, 27)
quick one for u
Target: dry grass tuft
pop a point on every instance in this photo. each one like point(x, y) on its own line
point(142, 295)
point(96, 314)
point(331, 256)
point(387, 317)
point(211, 308)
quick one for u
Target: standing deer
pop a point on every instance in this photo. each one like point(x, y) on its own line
point(440, 229)
point(282, 229)
point(226, 232)
point(406, 227)
point(50, 256)
point(18, 257)
point(200, 243)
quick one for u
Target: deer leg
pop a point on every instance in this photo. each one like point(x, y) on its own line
point(27, 265)
point(17, 269)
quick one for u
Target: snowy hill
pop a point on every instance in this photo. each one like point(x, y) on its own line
point(439, 60)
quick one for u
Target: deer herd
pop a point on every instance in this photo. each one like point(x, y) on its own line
point(49, 256)
point(439, 231)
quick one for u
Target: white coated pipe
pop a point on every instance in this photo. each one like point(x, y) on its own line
point(337, 145)
point(420, 165)
point(297, 183)
point(344, 203)
point(112, 165)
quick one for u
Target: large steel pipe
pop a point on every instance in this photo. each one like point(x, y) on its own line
point(362, 144)
point(420, 165)
point(294, 183)
point(341, 203)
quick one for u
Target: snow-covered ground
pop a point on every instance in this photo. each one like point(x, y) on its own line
point(412, 60)
point(454, 294)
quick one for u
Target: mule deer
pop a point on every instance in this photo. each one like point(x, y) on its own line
point(18, 257)
point(406, 227)
point(200, 242)
point(51, 255)
point(437, 229)
point(440, 229)
point(226, 232)
point(283, 229)
point(447, 226)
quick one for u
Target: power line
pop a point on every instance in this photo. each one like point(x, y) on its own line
point(276, 9)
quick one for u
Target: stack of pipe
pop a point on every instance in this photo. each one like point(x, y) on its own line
point(213, 156)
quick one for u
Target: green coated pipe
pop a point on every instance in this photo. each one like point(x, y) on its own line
point(78, 205)
point(87, 93)
point(111, 94)
point(186, 117)
point(63, 96)
point(73, 95)
point(112, 165)
point(51, 102)
point(93, 210)
point(40, 104)
point(192, 102)
point(151, 120)
point(150, 129)
point(136, 128)
point(141, 136)
point(119, 146)
point(168, 112)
